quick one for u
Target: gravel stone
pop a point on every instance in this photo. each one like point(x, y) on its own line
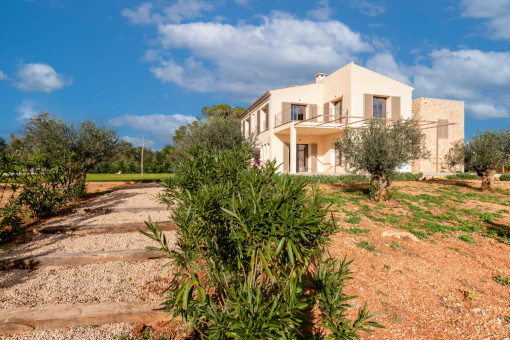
point(93, 283)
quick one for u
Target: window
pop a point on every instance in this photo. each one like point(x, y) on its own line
point(379, 107)
point(297, 112)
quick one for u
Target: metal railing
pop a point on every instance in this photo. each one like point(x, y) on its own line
point(313, 115)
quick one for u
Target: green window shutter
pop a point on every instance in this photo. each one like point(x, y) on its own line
point(368, 103)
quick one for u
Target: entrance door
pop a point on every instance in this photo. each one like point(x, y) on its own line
point(302, 158)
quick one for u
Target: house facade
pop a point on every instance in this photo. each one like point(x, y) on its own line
point(298, 125)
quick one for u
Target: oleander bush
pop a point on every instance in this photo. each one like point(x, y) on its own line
point(250, 257)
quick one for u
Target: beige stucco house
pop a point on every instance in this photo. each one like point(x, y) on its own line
point(297, 125)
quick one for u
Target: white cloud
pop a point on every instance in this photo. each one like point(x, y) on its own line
point(480, 79)
point(249, 59)
point(3, 76)
point(25, 110)
point(495, 12)
point(39, 77)
point(142, 14)
point(322, 11)
point(139, 141)
point(161, 127)
point(385, 64)
point(242, 2)
point(370, 8)
point(180, 10)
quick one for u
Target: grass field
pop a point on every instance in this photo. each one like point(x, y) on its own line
point(126, 177)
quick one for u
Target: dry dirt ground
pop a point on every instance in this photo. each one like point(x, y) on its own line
point(426, 260)
point(415, 264)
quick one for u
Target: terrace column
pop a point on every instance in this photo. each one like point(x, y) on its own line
point(293, 149)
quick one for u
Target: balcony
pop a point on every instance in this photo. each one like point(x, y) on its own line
point(312, 116)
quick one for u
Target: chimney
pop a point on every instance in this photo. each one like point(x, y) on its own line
point(319, 77)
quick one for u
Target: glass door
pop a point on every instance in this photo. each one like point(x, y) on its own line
point(302, 158)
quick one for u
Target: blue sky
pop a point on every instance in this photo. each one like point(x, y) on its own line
point(146, 68)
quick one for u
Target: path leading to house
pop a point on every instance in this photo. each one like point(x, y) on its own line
point(89, 267)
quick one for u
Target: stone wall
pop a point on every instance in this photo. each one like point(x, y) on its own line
point(429, 110)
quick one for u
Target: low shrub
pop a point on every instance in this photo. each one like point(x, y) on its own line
point(463, 176)
point(355, 178)
point(349, 178)
point(467, 238)
point(407, 176)
point(249, 259)
point(502, 280)
point(505, 177)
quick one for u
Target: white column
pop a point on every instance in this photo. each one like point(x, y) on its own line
point(293, 149)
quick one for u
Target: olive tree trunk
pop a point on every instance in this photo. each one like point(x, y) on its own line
point(379, 188)
point(487, 180)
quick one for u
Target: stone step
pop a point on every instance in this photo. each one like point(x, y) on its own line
point(106, 228)
point(108, 210)
point(31, 319)
point(76, 259)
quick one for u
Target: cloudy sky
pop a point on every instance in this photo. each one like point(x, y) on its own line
point(146, 68)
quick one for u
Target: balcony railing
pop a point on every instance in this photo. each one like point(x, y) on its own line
point(313, 115)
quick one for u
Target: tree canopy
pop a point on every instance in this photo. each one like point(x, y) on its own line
point(222, 110)
point(221, 130)
point(381, 149)
point(85, 146)
point(484, 153)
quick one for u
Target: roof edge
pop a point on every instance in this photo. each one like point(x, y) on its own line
point(256, 103)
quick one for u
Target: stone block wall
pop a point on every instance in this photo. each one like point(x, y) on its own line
point(439, 140)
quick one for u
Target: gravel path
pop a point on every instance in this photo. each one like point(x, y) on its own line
point(110, 331)
point(59, 244)
point(100, 282)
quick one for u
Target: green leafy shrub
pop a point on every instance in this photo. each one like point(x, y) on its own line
point(502, 280)
point(505, 177)
point(366, 245)
point(356, 178)
point(350, 178)
point(463, 176)
point(467, 238)
point(407, 176)
point(249, 260)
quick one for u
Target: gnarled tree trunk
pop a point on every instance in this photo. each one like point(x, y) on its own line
point(487, 180)
point(379, 188)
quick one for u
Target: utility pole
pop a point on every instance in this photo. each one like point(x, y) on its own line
point(143, 145)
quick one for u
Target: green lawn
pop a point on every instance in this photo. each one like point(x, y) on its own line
point(126, 177)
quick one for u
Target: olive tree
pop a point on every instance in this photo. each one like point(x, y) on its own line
point(85, 146)
point(215, 132)
point(380, 149)
point(3, 145)
point(484, 153)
